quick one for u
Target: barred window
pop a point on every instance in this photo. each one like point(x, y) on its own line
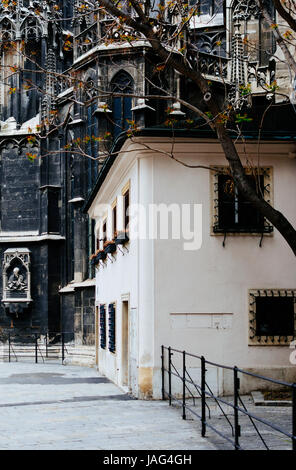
point(232, 212)
point(272, 316)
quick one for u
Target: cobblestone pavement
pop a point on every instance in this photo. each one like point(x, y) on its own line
point(54, 407)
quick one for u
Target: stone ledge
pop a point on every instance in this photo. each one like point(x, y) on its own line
point(259, 400)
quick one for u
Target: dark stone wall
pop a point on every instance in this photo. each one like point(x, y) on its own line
point(54, 271)
point(37, 181)
point(44, 311)
point(84, 316)
point(89, 315)
point(26, 208)
point(78, 315)
point(19, 188)
point(67, 301)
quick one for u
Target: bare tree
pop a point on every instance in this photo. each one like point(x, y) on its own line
point(171, 55)
point(173, 49)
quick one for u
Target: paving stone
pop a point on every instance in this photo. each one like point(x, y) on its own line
point(55, 407)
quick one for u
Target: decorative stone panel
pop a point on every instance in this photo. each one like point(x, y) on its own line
point(16, 280)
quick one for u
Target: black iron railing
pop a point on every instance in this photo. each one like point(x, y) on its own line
point(184, 395)
point(37, 346)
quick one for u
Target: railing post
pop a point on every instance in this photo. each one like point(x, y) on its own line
point(46, 345)
point(36, 349)
point(184, 388)
point(294, 416)
point(236, 424)
point(9, 347)
point(203, 396)
point(162, 372)
point(170, 376)
point(63, 347)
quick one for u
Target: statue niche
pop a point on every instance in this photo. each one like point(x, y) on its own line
point(16, 281)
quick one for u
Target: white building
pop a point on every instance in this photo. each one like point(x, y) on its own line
point(203, 287)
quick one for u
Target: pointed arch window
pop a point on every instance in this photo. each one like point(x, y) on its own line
point(121, 106)
point(259, 43)
point(7, 31)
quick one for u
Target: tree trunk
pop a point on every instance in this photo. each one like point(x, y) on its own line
point(275, 217)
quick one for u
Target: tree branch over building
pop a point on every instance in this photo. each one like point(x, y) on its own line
point(177, 60)
point(168, 32)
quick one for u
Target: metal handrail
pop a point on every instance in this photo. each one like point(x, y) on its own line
point(238, 406)
point(34, 340)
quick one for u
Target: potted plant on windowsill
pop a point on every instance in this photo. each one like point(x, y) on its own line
point(121, 237)
point(109, 246)
point(92, 259)
point(100, 256)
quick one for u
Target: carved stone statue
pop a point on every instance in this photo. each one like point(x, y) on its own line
point(16, 281)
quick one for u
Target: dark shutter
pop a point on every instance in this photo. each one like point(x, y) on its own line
point(111, 325)
point(114, 217)
point(102, 326)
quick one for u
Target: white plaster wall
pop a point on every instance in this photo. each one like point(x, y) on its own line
point(194, 300)
point(213, 279)
point(128, 274)
point(118, 275)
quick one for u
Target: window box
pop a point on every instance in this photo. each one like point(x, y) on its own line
point(109, 247)
point(121, 238)
point(101, 256)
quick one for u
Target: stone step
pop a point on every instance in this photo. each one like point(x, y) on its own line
point(80, 355)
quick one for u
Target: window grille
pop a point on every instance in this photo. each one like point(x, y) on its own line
point(232, 212)
point(272, 316)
